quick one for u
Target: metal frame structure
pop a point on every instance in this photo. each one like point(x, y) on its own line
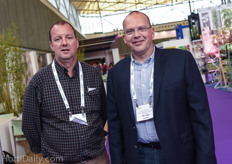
point(73, 10)
point(66, 8)
point(111, 7)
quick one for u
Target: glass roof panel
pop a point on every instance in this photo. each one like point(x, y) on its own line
point(104, 7)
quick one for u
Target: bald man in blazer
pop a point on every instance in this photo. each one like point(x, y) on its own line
point(180, 127)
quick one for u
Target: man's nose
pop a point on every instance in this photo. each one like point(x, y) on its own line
point(137, 33)
point(64, 41)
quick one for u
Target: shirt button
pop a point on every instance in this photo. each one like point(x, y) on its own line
point(134, 127)
point(135, 146)
point(143, 85)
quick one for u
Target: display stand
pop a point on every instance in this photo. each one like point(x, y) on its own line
point(200, 57)
point(225, 55)
point(229, 88)
point(199, 54)
point(220, 67)
point(213, 69)
point(222, 76)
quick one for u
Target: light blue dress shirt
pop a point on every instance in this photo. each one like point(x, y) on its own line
point(142, 74)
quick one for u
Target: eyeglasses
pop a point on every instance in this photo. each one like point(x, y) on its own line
point(140, 29)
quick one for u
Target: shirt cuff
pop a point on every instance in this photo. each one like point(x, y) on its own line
point(35, 149)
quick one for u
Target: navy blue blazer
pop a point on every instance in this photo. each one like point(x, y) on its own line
point(181, 111)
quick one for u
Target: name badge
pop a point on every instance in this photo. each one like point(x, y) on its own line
point(78, 118)
point(144, 112)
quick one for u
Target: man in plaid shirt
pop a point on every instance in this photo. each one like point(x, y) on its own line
point(64, 105)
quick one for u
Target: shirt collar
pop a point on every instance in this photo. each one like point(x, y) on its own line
point(148, 61)
point(62, 69)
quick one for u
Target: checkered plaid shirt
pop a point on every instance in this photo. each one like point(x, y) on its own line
point(46, 122)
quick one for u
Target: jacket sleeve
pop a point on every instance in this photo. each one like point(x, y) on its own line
point(31, 124)
point(103, 100)
point(114, 124)
point(200, 113)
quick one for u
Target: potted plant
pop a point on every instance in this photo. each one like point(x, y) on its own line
point(13, 72)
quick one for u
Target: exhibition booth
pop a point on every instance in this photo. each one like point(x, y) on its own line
point(209, 38)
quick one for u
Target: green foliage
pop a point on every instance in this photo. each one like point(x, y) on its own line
point(216, 19)
point(81, 52)
point(227, 16)
point(194, 32)
point(13, 71)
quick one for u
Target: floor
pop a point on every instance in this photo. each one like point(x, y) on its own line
point(220, 103)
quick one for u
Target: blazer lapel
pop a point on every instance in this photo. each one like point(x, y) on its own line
point(126, 82)
point(158, 74)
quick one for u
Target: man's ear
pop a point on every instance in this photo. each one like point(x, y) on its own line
point(123, 36)
point(77, 43)
point(153, 32)
point(51, 45)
